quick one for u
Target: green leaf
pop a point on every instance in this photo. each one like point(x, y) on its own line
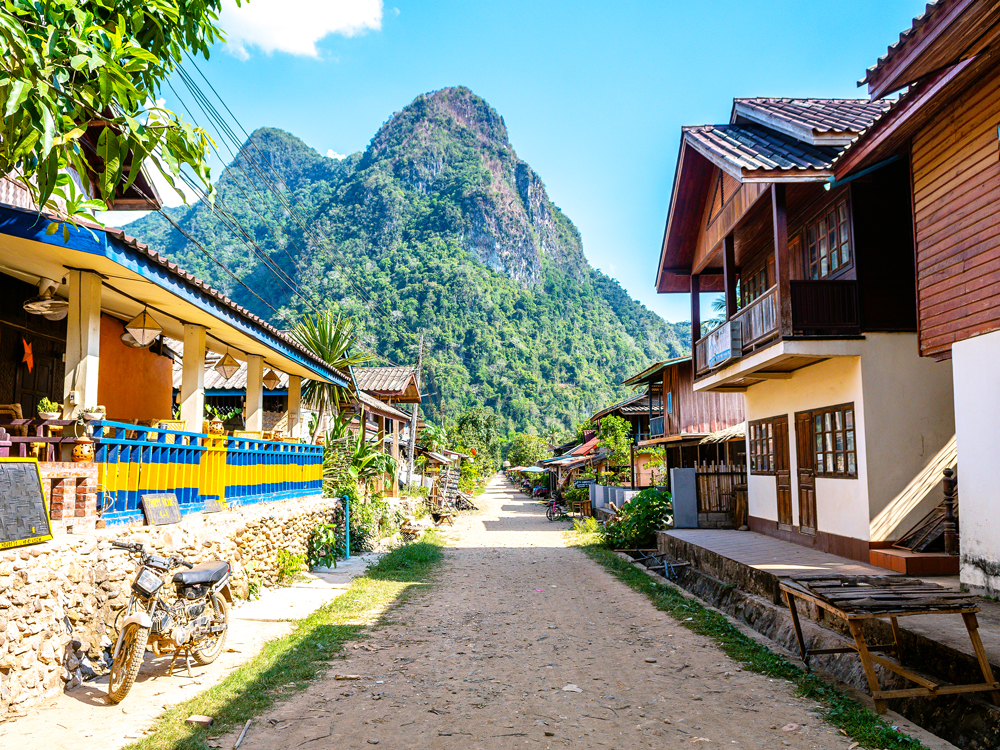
point(16, 96)
point(66, 233)
point(48, 131)
point(52, 228)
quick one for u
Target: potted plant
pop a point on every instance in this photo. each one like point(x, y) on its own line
point(92, 413)
point(49, 409)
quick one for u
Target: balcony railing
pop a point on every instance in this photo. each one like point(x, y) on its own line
point(829, 307)
point(818, 308)
point(656, 427)
point(759, 320)
point(134, 461)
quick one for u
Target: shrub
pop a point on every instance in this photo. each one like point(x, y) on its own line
point(639, 520)
point(575, 495)
point(588, 525)
point(289, 565)
point(323, 546)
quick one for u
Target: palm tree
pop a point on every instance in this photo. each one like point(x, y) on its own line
point(331, 337)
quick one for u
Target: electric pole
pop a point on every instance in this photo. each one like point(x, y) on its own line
point(413, 417)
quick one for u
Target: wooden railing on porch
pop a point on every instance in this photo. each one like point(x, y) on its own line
point(758, 323)
point(825, 306)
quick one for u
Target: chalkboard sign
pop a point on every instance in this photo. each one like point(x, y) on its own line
point(213, 504)
point(582, 483)
point(24, 517)
point(161, 509)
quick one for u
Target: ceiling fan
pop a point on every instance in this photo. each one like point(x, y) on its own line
point(46, 303)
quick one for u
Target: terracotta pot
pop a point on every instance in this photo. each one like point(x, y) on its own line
point(216, 427)
point(83, 451)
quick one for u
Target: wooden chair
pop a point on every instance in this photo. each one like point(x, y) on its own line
point(13, 411)
point(251, 434)
point(172, 424)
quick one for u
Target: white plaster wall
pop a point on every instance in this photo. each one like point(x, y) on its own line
point(903, 422)
point(976, 370)
point(910, 417)
point(841, 504)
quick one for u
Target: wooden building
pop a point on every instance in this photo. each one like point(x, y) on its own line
point(819, 333)
point(942, 132)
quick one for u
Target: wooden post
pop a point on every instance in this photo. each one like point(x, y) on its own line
point(782, 263)
point(950, 528)
point(695, 310)
point(866, 663)
point(729, 273)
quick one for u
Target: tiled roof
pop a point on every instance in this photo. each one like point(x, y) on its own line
point(213, 380)
point(751, 148)
point(384, 379)
point(932, 8)
point(840, 116)
point(192, 280)
point(637, 404)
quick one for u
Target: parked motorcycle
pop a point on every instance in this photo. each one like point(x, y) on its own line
point(193, 621)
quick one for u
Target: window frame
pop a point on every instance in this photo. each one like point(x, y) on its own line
point(840, 209)
point(829, 455)
point(762, 447)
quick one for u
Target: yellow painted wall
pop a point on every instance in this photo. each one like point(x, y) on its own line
point(132, 383)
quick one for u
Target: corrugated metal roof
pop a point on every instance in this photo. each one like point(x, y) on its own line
point(839, 116)
point(214, 380)
point(585, 448)
point(374, 405)
point(753, 148)
point(654, 369)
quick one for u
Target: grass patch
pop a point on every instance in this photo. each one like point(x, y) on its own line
point(839, 709)
point(287, 665)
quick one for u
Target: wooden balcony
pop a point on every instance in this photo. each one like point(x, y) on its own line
point(656, 427)
point(819, 308)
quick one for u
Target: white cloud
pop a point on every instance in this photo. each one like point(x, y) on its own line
point(331, 154)
point(294, 26)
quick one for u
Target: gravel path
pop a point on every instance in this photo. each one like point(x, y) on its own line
point(525, 642)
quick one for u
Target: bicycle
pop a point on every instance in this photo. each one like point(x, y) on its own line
point(556, 511)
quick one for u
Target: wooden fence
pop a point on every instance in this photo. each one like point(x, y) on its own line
point(717, 486)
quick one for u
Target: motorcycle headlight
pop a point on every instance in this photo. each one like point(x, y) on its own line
point(147, 583)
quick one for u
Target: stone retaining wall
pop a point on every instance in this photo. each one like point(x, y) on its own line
point(59, 600)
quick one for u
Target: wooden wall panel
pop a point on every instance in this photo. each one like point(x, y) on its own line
point(956, 197)
point(701, 413)
point(712, 230)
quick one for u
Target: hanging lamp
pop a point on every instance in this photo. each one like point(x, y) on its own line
point(144, 328)
point(227, 366)
point(271, 380)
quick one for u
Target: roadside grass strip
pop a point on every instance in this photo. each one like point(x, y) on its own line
point(839, 710)
point(287, 665)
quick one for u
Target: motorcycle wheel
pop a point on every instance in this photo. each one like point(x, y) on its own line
point(211, 652)
point(126, 667)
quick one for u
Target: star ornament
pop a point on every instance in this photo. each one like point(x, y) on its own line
point(28, 358)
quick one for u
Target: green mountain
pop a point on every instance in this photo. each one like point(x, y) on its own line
point(437, 227)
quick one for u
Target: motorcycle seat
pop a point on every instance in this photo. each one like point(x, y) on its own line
point(206, 572)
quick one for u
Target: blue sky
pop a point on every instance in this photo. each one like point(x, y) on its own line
point(593, 94)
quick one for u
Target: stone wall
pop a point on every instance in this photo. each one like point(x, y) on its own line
point(59, 601)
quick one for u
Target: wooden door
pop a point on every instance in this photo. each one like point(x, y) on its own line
point(782, 472)
point(806, 455)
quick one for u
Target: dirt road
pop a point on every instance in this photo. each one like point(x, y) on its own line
point(525, 642)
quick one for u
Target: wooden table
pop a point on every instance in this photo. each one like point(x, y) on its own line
point(860, 598)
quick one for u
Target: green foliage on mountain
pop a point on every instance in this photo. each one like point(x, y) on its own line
point(436, 227)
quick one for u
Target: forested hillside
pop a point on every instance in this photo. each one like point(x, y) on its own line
point(437, 227)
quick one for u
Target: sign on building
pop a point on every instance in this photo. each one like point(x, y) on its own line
point(724, 343)
point(161, 509)
point(24, 516)
point(582, 483)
